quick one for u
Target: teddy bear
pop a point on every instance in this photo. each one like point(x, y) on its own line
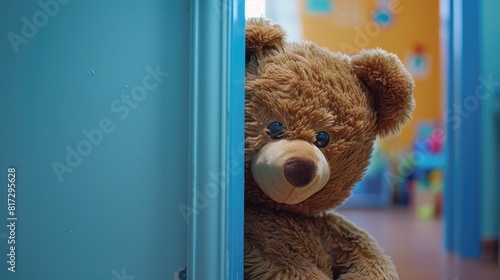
point(311, 119)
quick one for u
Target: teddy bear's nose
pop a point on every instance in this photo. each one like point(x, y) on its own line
point(299, 171)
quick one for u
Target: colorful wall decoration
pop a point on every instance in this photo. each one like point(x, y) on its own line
point(408, 28)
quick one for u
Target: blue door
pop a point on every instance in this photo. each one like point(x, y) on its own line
point(471, 190)
point(107, 146)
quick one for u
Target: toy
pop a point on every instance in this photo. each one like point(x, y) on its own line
point(375, 190)
point(311, 119)
point(428, 165)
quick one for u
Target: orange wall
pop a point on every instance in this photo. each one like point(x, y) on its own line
point(349, 26)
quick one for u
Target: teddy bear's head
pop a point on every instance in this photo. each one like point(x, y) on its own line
point(312, 117)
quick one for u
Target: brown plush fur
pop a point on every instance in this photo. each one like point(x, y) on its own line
point(310, 89)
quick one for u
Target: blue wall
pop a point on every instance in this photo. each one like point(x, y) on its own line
point(490, 73)
point(97, 120)
point(472, 193)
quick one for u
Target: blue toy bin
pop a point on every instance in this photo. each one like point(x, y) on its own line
point(373, 192)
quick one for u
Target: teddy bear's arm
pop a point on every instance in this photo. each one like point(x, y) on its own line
point(273, 265)
point(356, 253)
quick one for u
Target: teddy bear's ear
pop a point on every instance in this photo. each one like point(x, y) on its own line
point(262, 36)
point(391, 86)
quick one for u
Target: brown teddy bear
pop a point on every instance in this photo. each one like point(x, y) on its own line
point(311, 120)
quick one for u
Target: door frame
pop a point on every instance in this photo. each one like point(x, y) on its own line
point(216, 161)
point(463, 180)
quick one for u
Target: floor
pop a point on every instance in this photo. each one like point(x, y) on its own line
point(416, 246)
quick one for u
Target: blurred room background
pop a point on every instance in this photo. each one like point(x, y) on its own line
point(430, 195)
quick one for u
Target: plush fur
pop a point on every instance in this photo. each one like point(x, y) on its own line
point(290, 232)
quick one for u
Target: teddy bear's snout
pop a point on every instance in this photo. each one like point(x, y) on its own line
point(299, 171)
point(290, 171)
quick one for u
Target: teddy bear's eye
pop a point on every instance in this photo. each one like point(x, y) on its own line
point(322, 139)
point(275, 130)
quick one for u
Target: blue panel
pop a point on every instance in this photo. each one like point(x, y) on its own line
point(85, 86)
point(468, 186)
point(470, 137)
